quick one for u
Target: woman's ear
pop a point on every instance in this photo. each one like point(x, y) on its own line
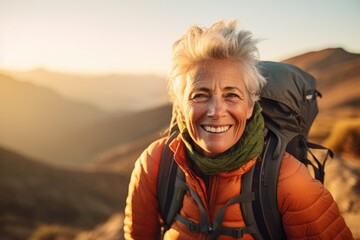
point(250, 109)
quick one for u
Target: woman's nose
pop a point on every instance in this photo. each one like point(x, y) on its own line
point(216, 107)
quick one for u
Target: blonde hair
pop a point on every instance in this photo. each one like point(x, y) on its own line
point(220, 41)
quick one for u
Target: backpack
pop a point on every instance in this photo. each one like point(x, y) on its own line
point(289, 102)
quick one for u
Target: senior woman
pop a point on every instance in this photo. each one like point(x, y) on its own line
point(214, 86)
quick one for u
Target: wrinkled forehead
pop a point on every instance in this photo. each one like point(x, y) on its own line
point(223, 73)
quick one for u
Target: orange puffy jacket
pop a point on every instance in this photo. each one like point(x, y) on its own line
point(307, 208)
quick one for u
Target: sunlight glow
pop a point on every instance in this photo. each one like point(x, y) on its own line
point(119, 36)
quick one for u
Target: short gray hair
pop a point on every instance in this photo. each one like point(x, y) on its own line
point(220, 41)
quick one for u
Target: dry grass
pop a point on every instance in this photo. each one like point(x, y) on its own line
point(345, 137)
point(53, 232)
point(342, 173)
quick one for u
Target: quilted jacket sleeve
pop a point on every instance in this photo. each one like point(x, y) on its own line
point(141, 212)
point(307, 207)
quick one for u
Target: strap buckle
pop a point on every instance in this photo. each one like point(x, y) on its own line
point(211, 227)
point(193, 227)
point(238, 233)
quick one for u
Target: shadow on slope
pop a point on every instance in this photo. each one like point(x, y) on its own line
point(33, 194)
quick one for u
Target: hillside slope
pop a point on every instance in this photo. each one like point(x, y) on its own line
point(34, 194)
point(40, 123)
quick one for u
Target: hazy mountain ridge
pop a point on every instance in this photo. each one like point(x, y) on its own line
point(39, 123)
point(109, 134)
point(122, 158)
point(111, 92)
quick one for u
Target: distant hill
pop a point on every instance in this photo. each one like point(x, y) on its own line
point(40, 123)
point(110, 92)
point(122, 158)
point(123, 139)
point(36, 195)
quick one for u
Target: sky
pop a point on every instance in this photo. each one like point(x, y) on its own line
point(136, 36)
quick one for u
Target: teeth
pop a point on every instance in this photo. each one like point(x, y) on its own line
point(216, 129)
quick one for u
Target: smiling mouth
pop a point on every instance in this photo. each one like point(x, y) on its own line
point(211, 129)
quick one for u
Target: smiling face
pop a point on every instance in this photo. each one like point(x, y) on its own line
point(215, 106)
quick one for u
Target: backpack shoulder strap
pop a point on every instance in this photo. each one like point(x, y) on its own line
point(248, 208)
point(168, 195)
point(263, 213)
point(268, 180)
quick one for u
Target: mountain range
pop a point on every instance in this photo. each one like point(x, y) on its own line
point(110, 92)
point(38, 122)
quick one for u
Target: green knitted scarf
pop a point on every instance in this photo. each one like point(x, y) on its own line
point(249, 146)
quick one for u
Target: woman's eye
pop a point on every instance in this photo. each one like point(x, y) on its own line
point(232, 95)
point(200, 97)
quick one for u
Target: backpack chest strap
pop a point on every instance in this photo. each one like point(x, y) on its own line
point(214, 229)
